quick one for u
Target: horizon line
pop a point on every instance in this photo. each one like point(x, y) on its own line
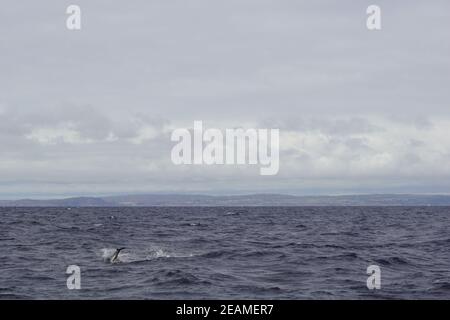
point(99, 196)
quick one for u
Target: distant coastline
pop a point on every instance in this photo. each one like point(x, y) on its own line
point(143, 200)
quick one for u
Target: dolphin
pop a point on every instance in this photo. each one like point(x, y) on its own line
point(115, 256)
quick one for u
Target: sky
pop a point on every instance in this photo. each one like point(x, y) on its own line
point(90, 112)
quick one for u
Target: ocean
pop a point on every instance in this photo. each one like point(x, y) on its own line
point(225, 252)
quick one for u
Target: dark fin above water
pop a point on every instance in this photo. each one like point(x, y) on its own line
point(116, 254)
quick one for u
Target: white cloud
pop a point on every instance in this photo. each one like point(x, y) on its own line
point(64, 133)
point(144, 134)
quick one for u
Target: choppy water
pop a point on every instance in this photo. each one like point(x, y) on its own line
point(196, 253)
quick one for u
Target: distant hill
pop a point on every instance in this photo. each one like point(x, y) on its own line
point(236, 200)
point(68, 202)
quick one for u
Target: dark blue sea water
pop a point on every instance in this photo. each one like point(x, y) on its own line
point(215, 253)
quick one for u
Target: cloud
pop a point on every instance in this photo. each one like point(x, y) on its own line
point(69, 153)
point(395, 150)
point(92, 111)
point(64, 133)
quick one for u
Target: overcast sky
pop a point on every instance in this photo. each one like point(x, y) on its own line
point(90, 112)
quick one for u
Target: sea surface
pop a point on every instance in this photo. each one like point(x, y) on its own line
point(225, 253)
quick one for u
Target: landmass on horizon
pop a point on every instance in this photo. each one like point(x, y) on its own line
point(142, 200)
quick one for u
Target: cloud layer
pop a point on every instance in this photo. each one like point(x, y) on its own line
point(91, 112)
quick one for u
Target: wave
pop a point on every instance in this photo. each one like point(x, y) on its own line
point(245, 254)
point(393, 261)
point(194, 224)
point(177, 277)
point(441, 286)
point(217, 254)
point(7, 239)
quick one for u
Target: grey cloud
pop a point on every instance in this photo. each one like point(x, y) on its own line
point(327, 125)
